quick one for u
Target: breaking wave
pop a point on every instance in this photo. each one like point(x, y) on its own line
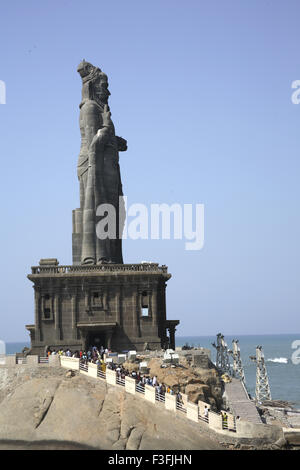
point(281, 360)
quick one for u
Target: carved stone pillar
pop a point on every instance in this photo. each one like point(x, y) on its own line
point(57, 316)
point(83, 337)
point(74, 315)
point(117, 304)
point(164, 316)
point(42, 304)
point(172, 330)
point(154, 306)
point(139, 301)
point(136, 314)
point(87, 301)
point(37, 309)
point(121, 305)
point(109, 334)
point(105, 299)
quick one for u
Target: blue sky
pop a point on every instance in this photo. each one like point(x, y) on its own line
point(202, 92)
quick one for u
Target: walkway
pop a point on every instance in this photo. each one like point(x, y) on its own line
point(240, 403)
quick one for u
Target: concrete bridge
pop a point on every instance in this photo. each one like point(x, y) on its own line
point(239, 402)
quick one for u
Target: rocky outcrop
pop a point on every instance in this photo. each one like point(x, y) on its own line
point(43, 405)
point(197, 383)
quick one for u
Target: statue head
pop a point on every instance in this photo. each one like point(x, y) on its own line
point(94, 82)
point(87, 71)
point(101, 88)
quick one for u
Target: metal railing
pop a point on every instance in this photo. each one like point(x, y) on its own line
point(217, 420)
point(228, 422)
point(159, 397)
point(140, 388)
point(83, 366)
point(143, 267)
point(100, 373)
point(203, 418)
point(231, 425)
point(21, 360)
point(180, 407)
point(43, 360)
point(120, 381)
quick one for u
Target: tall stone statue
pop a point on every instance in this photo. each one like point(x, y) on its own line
point(91, 303)
point(98, 173)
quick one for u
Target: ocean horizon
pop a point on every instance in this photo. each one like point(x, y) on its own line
point(284, 375)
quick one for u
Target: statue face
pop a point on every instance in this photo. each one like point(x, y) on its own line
point(102, 91)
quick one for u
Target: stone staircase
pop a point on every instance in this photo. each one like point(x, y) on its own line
point(240, 403)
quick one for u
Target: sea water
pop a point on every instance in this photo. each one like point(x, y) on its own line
point(284, 375)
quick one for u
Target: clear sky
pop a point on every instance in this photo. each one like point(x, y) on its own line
point(201, 89)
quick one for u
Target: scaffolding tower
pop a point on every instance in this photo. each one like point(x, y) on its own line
point(238, 369)
point(222, 359)
point(262, 389)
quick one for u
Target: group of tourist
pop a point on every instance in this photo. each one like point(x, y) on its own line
point(98, 356)
point(143, 379)
point(93, 354)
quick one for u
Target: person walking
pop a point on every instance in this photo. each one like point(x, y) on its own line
point(225, 420)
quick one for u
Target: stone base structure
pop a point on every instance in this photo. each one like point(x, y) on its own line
point(120, 307)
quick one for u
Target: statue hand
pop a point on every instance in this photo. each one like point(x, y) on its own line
point(101, 135)
point(106, 117)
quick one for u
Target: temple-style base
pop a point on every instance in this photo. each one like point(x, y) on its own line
point(120, 307)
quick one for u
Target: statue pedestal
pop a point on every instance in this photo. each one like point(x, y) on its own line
point(121, 307)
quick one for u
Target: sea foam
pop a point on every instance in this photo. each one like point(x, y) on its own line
point(281, 360)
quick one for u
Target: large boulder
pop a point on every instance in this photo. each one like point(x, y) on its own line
point(43, 408)
point(197, 383)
